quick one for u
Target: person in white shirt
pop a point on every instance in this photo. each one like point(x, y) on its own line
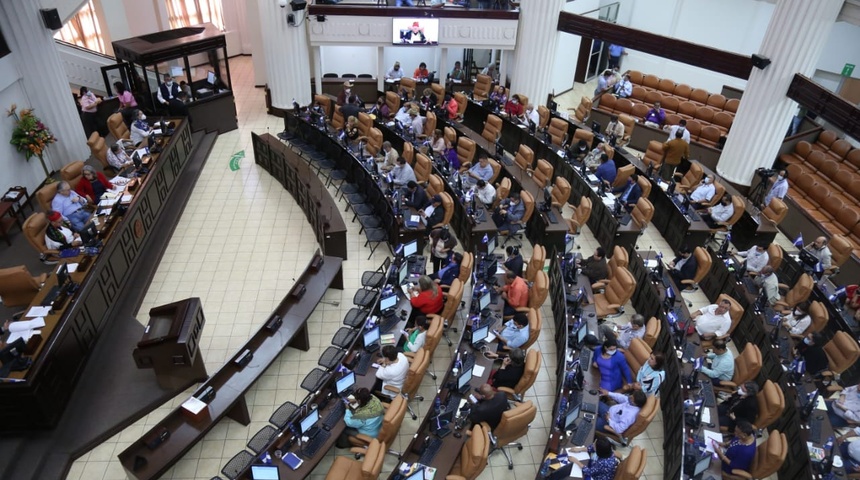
point(402, 115)
point(417, 122)
point(713, 320)
point(391, 371)
point(389, 157)
point(402, 173)
point(532, 115)
point(705, 191)
point(682, 125)
point(624, 88)
point(768, 284)
point(485, 192)
point(395, 73)
point(614, 128)
point(58, 235)
point(778, 189)
point(117, 158)
point(724, 210)
point(140, 130)
point(755, 258)
point(819, 250)
point(416, 336)
point(798, 320)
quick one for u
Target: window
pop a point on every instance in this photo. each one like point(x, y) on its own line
point(184, 13)
point(83, 29)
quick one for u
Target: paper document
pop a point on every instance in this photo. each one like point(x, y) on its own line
point(819, 404)
point(429, 210)
point(72, 267)
point(651, 263)
point(415, 218)
point(194, 405)
point(490, 337)
point(592, 178)
point(715, 436)
point(126, 198)
point(706, 415)
point(576, 470)
point(25, 329)
point(156, 131)
point(141, 152)
point(477, 370)
point(500, 268)
point(38, 312)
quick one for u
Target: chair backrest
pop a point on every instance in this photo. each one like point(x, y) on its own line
point(637, 354)
point(539, 290)
point(529, 204)
point(429, 124)
point(560, 191)
point(775, 211)
point(374, 141)
point(643, 212)
point(466, 266)
point(582, 212)
point(492, 128)
point(439, 90)
point(621, 287)
point(535, 324)
point(337, 120)
point(774, 255)
point(530, 372)
point(408, 85)
point(633, 466)
point(771, 403)
point(719, 191)
point(693, 176)
point(842, 351)
point(435, 185)
point(497, 169)
point(736, 311)
point(448, 203)
point(739, 207)
point(515, 423)
point(619, 258)
point(503, 189)
point(819, 315)
point(654, 154)
point(415, 373)
point(525, 157)
point(392, 99)
point(45, 195)
point(117, 127)
point(483, 84)
point(629, 123)
point(73, 173)
point(557, 131)
point(607, 102)
point(583, 134)
point(408, 153)
point(645, 185)
point(392, 420)
point(423, 168)
point(747, 364)
point(455, 294)
point(652, 331)
point(34, 231)
point(17, 286)
point(536, 262)
point(543, 115)
point(769, 455)
point(840, 248)
point(462, 101)
point(622, 175)
point(98, 148)
point(374, 458)
point(703, 263)
point(325, 102)
point(542, 173)
point(581, 113)
point(365, 123)
point(800, 291)
point(435, 330)
point(473, 454)
point(466, 150)
point(643, 418)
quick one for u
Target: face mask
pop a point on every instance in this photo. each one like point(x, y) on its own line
point(348, 90)
point(706, 181)
point(142, 117)
point(741, 391)
point(169, 84)
point(611, 352)
point(807, 341)
point(781, 177)
point(515, 101)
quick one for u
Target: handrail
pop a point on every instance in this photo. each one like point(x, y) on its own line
point(83, 49)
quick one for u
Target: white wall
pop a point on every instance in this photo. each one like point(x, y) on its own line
point(841, 48)
point(567, 51)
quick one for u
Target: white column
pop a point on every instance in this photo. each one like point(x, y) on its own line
point(44, 81)
point(536, 45)
point(794, 40)
point(288, 66)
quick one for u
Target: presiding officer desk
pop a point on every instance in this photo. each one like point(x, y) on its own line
point(39, 397)
point(233, 379)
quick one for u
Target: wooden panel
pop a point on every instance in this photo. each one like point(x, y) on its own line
point(836, 110)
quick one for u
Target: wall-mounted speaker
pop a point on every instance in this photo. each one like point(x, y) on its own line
point(759, 61)
point(51, 17)
point(298, 5)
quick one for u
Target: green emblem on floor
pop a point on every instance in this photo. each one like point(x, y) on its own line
point(234, 160)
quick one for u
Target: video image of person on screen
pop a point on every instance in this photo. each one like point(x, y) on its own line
point(415, 34)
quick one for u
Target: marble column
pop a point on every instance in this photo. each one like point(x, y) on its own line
point(536, 49)
point(793, 42)
point(44, 81)
point(287, 51)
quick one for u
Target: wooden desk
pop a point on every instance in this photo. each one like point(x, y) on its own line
point(232, 381)
point(365, 88)
point(40, 400)
point(305, 186)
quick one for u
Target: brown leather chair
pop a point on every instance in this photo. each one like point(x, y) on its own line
point(18, 286)
point(326, 104)
point(407, 85)
point(682, 90)
point(435, 332)
point(417, 369)
point(622, 175)
point(466, 266)
point(539, 289)
point(483, 84)
point(583, 110)
point(99, 149)
point(703, 267)
point(840, 248)
point(710, 135)
point(643, 212)
point(492, 129)
point(738, 212)
point(645, 185)
point(392, 99)
point(774, 254)
point(543, 116)
point(619, 258)
point(535, 325)
point(637, 355)
point(497, 169)
point(633, 466)
point(607, 103)
point(514, 424)
point(529, 209)
point(536, 262)
point(374, 141)
point(560, 192)
point(699, 96)
point(435, 185)
point(775, 211)
point(423, 168)
point(117, 127)
point(747, 366)
point(819, 315)
point(618, 291)
point(73, 173)
point(453, 297)
point(429, 125)
point(769, 457)
point(653, 155)
point(408, 153)
point(525, 157)
point(337, 120)
point(391, 422)
point(719, 191)
point(348, 468)
point(466, 151)
point(629, 124)
point(771, 404)
point(365, 123)
point(643, 419)
point(635, 77)
point(503, 189)
point(439, 90)
point(582, 134)
point(542, 173)
point(448, 203)
point(580, 216)
point(462, 102)
point(842, 351)
point(690, 179)
point(34, 231)
point(557, 131)
point(45, 195)
point(530, 372)
point(653, 327)
point(473, 456)
point(799, 293)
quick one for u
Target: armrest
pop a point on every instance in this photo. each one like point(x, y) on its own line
point(741, 473)
point(599, 284)
point(688, 282)
point(614, 306)
point(507, 390)
point(783, 286)
point(523, 309)
point(358, 450)
point(391, 389)
point(364, 438)
point(728, 384)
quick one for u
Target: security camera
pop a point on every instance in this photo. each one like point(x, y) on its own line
point(282, 3)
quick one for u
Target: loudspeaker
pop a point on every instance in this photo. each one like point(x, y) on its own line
point(298, 5)
point(759, 61)
point(51, 17)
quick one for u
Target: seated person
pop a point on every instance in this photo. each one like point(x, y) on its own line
point(531, 117)
point(739, 452)
point(416, 122)
point(515, 292)
point(92, 185)
point(429, 99)
point(656, 117)
point(514, 108)
point(457, 73)
point(416, 336)
point(603, 462)
point(58, 235)
point(514, 262)
point(614, 130)
point(351, 129)
point(402, 115)
point(684, 266)
point(722, 211)
point(606, 172)
point(768, 285)
point(580, 153)
point(741, 406)
point(594, 267)
point(713, 320)
point(436, 216)
point(389, 157)
point(363, 417)
point(447, 274)
point(381, 109)
point(351, 107)
point(811, 350)
point(626, 334)
point(438, 143)
point(421, 73)
point(485, 193)
point(452, 107)
point(140, 130)
point(821, 251)
point(624, 88)
point(390, 371)
point(620, 416)
point(450, 154)
point(12, 357)
point(415, 196)
point(704, 192)
point(722, 363)
point(850, 451)
point(755, 258)
point(516, 332)
point(631, 193)
point(118, 159)
point(402, 174)
point(481, 170)
point(490, 407)
point(511, 370)
point(845, 410)
point(71, 206)
point(614, 371)
point(395, 73)
point(650, 375)
point(426, 297)
point(498, 96)
point(509, 214)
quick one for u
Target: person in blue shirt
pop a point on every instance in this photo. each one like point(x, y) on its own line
point(631, 192)
point(606, 171)
point(620, 416)
point(508, 215)
point(739, 452)
point(614, 371)
point(514, 263)
point(615, 53)
point(779, 188)
point(516, 332)
point(363, 416)
point(447, 274)
point(602, 464)
point(481, 170)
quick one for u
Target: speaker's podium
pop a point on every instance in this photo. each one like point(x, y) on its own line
point(170, 344)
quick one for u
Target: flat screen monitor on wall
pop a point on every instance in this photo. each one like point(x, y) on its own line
point(415, 31)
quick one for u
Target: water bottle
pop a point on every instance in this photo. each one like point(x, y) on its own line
point(438, 405)
point(544, 468)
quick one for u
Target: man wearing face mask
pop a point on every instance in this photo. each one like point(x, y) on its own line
point(680, 127)
point(395, 73)
point(742, 405)
point(755, 258)
point(812, 351)
point(516, 331)
point(167, 90)
point(705, 191)
point(684, 266)
point(722, 211)
point(768, 284)
point(620, 416)
point(344, 94)
point(778, 189)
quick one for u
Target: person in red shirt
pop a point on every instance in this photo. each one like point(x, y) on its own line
point(421, 73)
point(92, 185)
point(515, 293)
point(514, 108)
point(452, 107)
point(426, 298)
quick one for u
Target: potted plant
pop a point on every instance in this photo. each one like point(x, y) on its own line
point(30, 136)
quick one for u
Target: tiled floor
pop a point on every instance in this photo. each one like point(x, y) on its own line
point(239, 245)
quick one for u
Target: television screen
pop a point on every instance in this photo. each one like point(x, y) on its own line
point(415, 31)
